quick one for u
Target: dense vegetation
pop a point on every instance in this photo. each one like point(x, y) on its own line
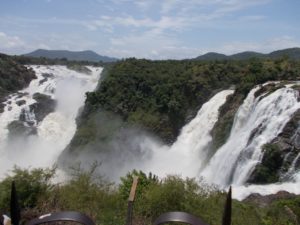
point(106, 203)
point(163, 95)
point(160, 96)
point(13, 76)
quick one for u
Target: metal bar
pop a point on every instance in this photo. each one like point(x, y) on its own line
point(181, 217)
point(14, 206)
point(63, 216)
point(227, 209)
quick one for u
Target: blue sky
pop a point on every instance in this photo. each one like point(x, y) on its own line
point(156, 29)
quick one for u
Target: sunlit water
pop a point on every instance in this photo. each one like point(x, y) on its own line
point(257, 122)
point(68, 88)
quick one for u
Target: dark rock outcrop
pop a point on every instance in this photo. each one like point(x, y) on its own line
point(44, 105)
point(19, 129)
point(280, 155)
point(2, 105)
point(13, 77)
point(80, 69)
point(20, 102)
point(222, 128)
point(264, 201)
point(46, 77)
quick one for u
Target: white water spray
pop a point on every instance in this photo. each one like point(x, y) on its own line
point(189, 153)
point(68, 88)
point(257, 122)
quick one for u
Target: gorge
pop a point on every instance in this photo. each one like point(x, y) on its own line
point(143, 117)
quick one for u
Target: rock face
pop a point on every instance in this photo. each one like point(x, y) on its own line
point(222, 128)
point(264, 201)
point(19, 129)
point(26, 125)
point(44, 105)
point(79, 68)
point(13, 76)
point(46, 76)
point(281, 157)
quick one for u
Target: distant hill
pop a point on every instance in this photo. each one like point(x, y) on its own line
point(293, 53)
point(247, 55)
point(212, 56)
point(70, 55)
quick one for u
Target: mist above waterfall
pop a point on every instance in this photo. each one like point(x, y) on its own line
point(126, 147)
point(49, 137)
point(189, 153)
point(258, 121)
point(132, 148)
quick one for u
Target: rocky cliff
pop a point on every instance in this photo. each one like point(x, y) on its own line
point(13, 77)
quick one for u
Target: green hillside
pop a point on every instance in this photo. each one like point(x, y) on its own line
point(13, 76)
point(162, 96)
point(212, 56)
point(247, 55)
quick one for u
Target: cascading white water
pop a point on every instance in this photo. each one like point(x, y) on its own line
point(188, 154)
point(55, 131)
point(257, 122)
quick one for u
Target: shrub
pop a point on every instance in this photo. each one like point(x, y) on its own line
point(31, 186)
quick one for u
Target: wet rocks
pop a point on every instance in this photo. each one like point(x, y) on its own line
point(264, 201)
point(43, 106)
point(18, 128)
point(279, 154)
point(2, 105)
point(20, 102)
point(46, 77)
point(13, 77)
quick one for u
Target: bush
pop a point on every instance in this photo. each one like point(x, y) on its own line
point(91, 194)
point(31, 185)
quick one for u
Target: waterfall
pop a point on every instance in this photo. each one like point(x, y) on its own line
point(292, 171)
point(257, 122)
point(189, 153)
point(29, 115)
point(51, 135)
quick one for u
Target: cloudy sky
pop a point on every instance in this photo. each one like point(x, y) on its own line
point(156, 29)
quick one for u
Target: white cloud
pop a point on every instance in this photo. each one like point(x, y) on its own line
point(11, 44)
point(163, 24)
point(8, 42)
point(185, 14)
point(281, 43)
point(152, 29)
point(219, 8)
point(164, 47)
point(144, 5)
point(151, 44)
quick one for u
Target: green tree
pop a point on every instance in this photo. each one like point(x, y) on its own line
point(31, 185)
